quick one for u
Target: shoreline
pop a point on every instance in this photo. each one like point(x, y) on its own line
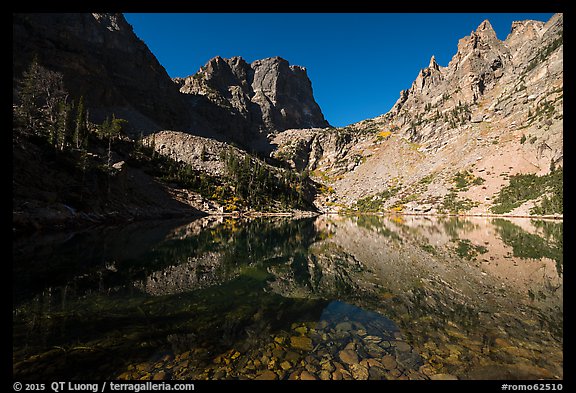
point(380, 214)
point(40, 224)
point(491, 215)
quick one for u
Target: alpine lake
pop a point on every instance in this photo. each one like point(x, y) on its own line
point(328, 298)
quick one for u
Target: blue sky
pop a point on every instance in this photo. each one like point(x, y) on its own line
point(358, 63)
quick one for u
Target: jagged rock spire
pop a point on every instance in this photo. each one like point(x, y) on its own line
point(486, 31)
point(433, 63)
point(485, 25)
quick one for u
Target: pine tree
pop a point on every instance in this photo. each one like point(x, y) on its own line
point(40, 94)
point(63, 125)
point(112, 129)
point(80, 126)
point(104, 128)
point(28, 96)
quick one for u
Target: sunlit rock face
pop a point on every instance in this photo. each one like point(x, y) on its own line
point(253, 100)
point(494, 111)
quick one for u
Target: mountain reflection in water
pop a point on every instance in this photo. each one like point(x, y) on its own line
point(330, 297)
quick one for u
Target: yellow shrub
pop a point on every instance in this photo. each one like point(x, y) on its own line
point(384, 134)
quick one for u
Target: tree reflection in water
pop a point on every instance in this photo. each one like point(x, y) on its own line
point(328, 298)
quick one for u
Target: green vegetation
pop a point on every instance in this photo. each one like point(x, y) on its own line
point(523, 139)
point(374, 203)
point(344, 136)
point(459, 115)
point(526, 187)
point(323, 176)
point(48, 116)
point(544, 110)
point(429, 248)
point(543, 53)
point(257, 185)
point(553, 204)
point(451, 204)
point(248, 184)
point(326, 190)
point(552, 231)
point(45, 110)
point(463, 180)
point(203, 154)
point(427, 179)
point(418, 121)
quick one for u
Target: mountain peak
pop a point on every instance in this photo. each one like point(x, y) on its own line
point(251, 100)
point(270, 60)
point(520, 27)
point(485, 26)
point(486, 32)
point(433, 63)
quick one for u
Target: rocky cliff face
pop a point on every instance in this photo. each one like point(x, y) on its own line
point(244, 100)
point(484, 77)
point(103, 60)
point(495, 111)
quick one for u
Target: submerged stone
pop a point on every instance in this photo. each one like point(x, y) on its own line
point(402, 346)
point(267, 376)
point(359, 372)
point(343, 326)
point(292, 356)
point(443, 377)
point(285, 365)
point(348, 356)
point(307, 376)
point(376, 373)
point(302, 330)
point(301, 342)
point(389, 362)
